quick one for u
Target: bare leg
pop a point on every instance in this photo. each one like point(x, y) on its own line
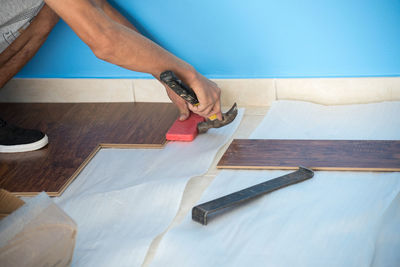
point(15, 56)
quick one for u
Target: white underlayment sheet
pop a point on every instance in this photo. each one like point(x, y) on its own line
point(124, 198)
point(334, 219)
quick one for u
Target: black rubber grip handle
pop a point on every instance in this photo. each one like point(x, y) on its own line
point(179, 87)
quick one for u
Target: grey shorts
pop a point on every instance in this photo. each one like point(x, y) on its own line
point(15, 16)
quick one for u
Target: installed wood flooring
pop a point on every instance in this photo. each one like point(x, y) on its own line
point(356, 155)
point(76, 132)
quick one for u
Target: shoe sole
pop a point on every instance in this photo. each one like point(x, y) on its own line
point(25, 147)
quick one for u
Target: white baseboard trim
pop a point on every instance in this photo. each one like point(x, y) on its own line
point(339, 91)
point(246, 92)
point(67, 90)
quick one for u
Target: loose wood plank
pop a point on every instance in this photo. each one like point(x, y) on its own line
point(76, 132)
point(337, 155)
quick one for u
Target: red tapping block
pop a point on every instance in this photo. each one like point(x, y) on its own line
point(184, 130)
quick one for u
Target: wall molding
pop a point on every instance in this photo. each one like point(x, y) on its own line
point(246, 92)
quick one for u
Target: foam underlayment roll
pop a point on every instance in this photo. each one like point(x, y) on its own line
point(38, 233)
point(333, 219)
point(124, 198)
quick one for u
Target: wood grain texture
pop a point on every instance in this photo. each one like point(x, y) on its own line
point(338, 155)
point(76, 132)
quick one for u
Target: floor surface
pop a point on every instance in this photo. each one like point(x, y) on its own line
point(76, 132)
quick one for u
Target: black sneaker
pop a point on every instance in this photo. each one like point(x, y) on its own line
point(16, 139)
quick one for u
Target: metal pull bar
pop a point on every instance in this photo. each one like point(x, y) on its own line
point(201, 212)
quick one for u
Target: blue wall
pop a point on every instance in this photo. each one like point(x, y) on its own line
point(247, 39)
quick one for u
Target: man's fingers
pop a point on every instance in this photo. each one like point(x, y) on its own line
point(214, 113)
point(217, 109)
point(207, 113)
point(204, 108)
point(183, 110)
point(180, 103)
point(184, 114)
point(200, 110)
point(194, 109)
point(219, 115)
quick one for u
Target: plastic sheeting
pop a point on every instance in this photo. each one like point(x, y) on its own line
point(124, 198)
point(333, 219)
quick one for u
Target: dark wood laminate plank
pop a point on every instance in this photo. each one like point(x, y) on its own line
point(75, 132)
point(356, 155)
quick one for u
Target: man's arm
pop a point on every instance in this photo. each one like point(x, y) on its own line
point(110, 11)
point(117, 17)
point(114, 40)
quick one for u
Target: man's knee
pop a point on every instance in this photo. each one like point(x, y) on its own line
point(39, 29)
point(19, 52)
point(43, 23)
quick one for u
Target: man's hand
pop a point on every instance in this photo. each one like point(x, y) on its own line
point(209, 96)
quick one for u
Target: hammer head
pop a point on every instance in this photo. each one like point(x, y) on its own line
point(227, 118)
